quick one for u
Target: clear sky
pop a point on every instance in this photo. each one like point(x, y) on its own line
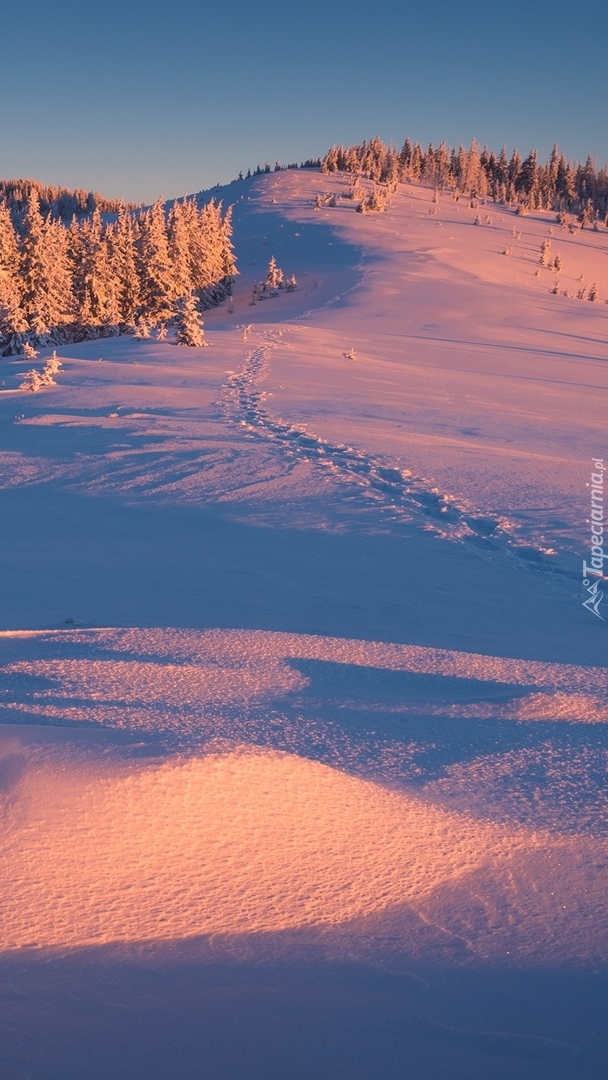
point(136, 100)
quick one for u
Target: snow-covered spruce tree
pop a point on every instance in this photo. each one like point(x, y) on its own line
point(330, 162)
point(212, 259)
point(375, 202)
point(355, 192)
point(190, 233)
point(179, 224)
point(142, 328)
point(51, 368)
point(9, 261)
point(33, 264)
point(31, 381)
point(47, 300)
point(390, 167)
point(36, 380)
point(93, 287)
point(210, 226)
point(274, 276)
point(154, 265)
point(416, 163)
point(228, 258)
point(189, 323)
point(125, 278)
point(13, 324)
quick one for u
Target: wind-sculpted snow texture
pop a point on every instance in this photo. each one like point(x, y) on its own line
point(303, 726)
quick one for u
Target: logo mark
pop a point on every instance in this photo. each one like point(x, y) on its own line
point(593, 602)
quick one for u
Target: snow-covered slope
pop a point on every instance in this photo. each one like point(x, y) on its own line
point(468, 372)
point(293, 640)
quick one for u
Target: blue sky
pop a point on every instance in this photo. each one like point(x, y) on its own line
point(137, 100)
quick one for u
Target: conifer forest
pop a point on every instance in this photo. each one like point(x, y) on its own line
point(558, 184)
point(112, 269)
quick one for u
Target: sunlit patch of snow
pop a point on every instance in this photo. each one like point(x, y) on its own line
point(224, 844)
point(243, 842)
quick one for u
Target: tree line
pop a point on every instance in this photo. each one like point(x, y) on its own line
point(58, 201)
point(557, 184)
point(310, 163)
point(97, 277)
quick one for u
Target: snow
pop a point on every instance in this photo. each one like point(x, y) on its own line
point(294, 658)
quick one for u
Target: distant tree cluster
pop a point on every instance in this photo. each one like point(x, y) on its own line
point(60, 202)
point(310, 163)
point(558, 184)
point(97, 278)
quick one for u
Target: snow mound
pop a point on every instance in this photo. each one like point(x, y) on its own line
point(236, 843)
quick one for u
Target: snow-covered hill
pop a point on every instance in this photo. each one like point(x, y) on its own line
point(293, 646)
